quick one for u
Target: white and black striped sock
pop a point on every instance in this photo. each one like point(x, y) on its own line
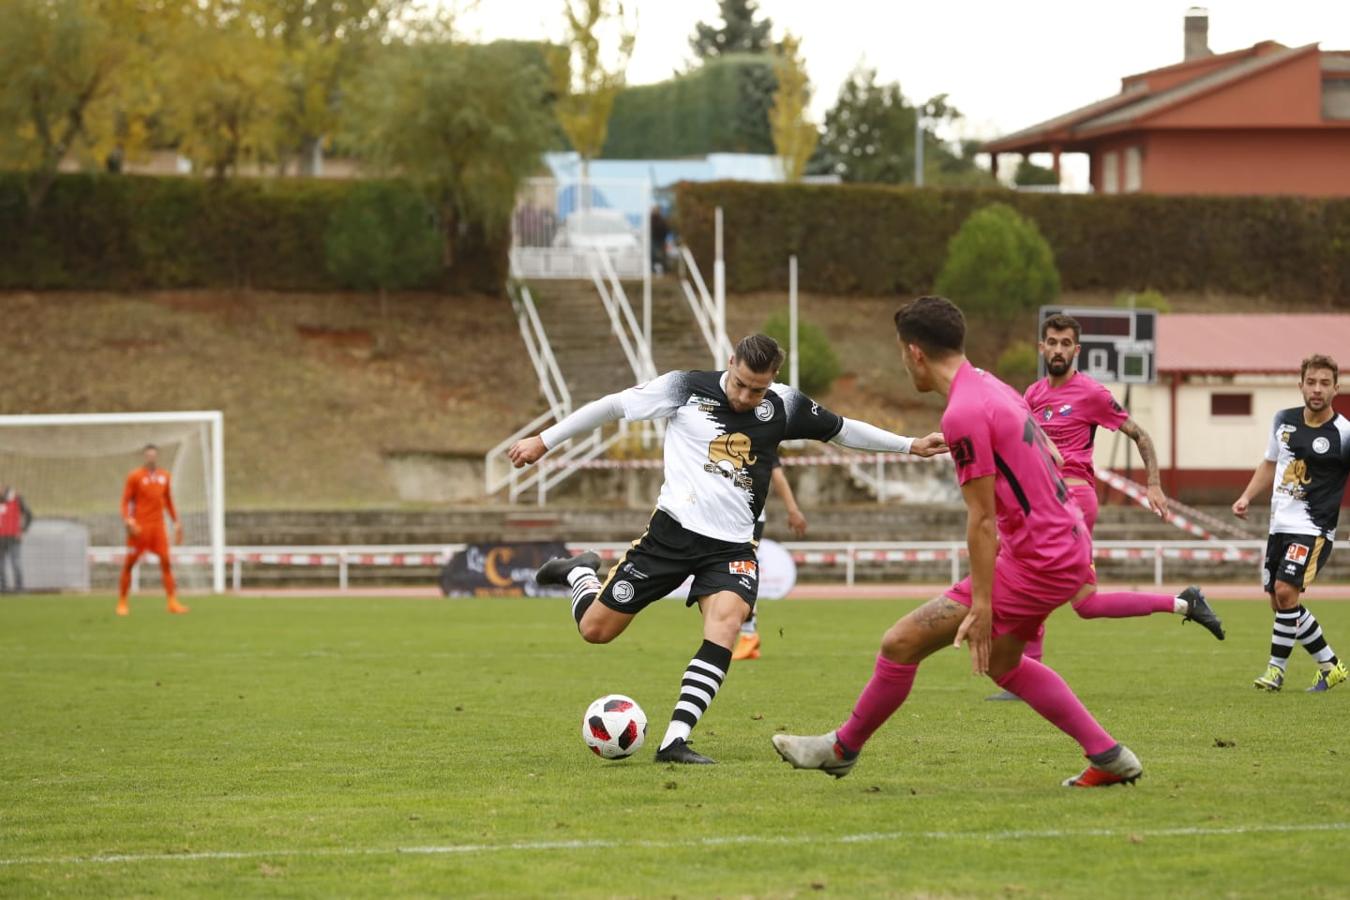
point(585, 588)
point(1282, 637)
point(705, 674)
point(1310, 636)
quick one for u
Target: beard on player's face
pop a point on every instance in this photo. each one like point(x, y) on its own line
point(1057, 363)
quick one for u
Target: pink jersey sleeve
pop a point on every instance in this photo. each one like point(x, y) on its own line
point(1107, 412)
point(967, 432)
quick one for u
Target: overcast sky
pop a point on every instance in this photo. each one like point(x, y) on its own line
point(1004, 65)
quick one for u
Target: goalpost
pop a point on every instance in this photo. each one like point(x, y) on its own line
point(70, 470)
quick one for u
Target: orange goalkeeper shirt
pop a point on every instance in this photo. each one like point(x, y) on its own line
point(146, 496)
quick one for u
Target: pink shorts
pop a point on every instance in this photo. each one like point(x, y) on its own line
point(1086, 496)
point(1023, 597)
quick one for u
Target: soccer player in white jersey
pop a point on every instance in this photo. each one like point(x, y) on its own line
point(722, 438)
point(1307, 461)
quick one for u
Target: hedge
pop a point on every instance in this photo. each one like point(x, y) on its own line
point(118, 232)
point(722, 106)
point(869, 239)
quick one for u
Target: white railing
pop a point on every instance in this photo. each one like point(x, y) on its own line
point(497, 469)
point(621, 319)
point(712, 325)
point(844, 557)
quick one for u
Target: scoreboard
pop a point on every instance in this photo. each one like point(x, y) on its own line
point(1117, 345)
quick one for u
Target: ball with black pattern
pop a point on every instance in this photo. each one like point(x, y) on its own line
point(614, 726)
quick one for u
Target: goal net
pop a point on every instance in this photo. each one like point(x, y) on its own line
point(70, 471)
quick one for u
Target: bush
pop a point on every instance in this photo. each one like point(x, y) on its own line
point(382, 237)
point(122, 232)
point(1018, 364)
point(877, 239)
point(818, 365)
point(999, 267)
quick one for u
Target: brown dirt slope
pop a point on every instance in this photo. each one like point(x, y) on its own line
point(315, 388)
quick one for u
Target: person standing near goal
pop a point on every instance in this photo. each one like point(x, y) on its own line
point(1307, 462)
point(722, 437)
point(146, 497)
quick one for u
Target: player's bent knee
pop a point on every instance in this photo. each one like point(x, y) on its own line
point(596, 632)
point(901, 645)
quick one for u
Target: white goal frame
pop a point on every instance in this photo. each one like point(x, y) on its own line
point(214, 420)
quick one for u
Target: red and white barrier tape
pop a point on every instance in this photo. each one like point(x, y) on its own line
point(1136, 493)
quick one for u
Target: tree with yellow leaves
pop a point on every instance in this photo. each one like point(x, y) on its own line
point(794, 136)
point(584, 83)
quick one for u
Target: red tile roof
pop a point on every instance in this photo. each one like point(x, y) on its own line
point(1196, 344)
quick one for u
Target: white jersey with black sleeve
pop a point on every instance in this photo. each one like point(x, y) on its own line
point(1311, 466)
point(718, 462)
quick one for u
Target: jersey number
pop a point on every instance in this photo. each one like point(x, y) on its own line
point(1034, 437)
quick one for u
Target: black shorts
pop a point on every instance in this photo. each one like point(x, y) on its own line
point(667, 554)
point(1295, 559)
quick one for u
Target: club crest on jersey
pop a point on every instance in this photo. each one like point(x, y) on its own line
point(744, 567)
point(1048, 414)
point(729, 456)
point(764, 412)
point(1297, 553)
point(1321, 445)
point(1066, 409)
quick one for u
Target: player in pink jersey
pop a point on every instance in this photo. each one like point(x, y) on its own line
point(1030, 553)
point(1070, 407)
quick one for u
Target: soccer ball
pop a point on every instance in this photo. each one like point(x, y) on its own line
point(614, 726)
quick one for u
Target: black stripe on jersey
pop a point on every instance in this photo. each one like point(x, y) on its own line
point(1013, 483)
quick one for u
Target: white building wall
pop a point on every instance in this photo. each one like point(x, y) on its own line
point(1205, 441)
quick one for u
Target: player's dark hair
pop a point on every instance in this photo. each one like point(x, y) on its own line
point(936, 324)
point(759, 353)
point(1320, 361)
point(149, 447)
point(1061, 322)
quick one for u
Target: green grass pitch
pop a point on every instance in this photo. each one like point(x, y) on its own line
point(339, 747)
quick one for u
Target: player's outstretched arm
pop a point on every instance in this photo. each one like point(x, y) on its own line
point(1157, 500)
point(1263, 479)
point(982, 542)
point(586, 419)
point(864, 436)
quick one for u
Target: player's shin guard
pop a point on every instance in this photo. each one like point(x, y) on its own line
point(585, 588)
point(1124, 605)
point(705, 674)
point(1282, 637)
point(166, 575)
point(1044, 691)
point(1309, 634)
point(888, 687)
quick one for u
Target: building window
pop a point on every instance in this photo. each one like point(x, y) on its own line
point(1230, 404)
point(1110, 177)
point(1134, 170)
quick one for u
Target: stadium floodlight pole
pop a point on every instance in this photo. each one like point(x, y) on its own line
point(794, 372)
point(720, 282)
point(918, 146)
point(647, 267)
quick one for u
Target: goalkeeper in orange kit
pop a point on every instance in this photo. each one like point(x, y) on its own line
point(145, 499)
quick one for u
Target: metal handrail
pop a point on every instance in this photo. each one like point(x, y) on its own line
point(546, 352)
point(719, 343)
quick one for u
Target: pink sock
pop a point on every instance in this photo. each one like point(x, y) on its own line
point(1044, 691)
point(1124, 605)
point(887, 689)
point(1036, 649)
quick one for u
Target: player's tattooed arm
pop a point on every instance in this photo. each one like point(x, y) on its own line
point(1157, 500)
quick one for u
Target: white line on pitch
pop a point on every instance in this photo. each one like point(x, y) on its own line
point(751, 839)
